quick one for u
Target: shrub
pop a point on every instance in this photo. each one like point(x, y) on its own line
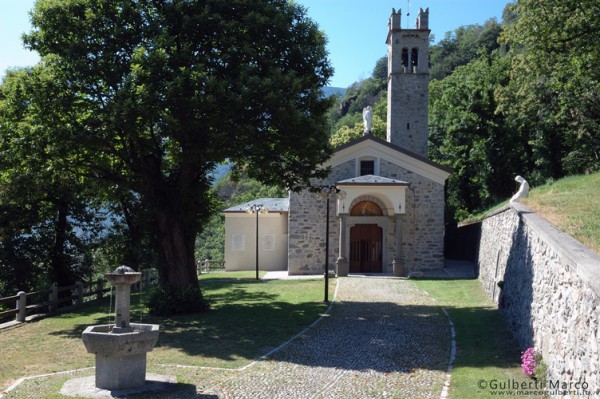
point(168, 301)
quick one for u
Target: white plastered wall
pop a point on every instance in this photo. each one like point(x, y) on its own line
point(240, 241)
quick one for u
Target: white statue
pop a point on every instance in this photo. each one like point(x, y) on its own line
point(523, 190)
point(368, 119)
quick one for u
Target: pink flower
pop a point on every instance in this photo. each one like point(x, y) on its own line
point(528, 362)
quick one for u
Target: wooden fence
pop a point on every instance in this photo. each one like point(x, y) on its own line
point(54, 299)
point(205, 266)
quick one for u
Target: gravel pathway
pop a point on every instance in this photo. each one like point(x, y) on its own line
point(383, 339)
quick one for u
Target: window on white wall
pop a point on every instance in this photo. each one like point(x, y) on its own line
point(238, 242)
point(268, 242)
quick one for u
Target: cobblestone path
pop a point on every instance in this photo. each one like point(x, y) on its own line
point(382, 339)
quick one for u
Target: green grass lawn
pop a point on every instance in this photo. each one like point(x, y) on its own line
point(248, 318)
point(573, 205)
point(486, 352)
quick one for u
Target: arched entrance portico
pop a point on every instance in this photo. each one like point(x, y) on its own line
point(369, 230)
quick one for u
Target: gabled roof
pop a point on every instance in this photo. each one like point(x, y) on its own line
point(369, 145)
point(272, 204)
point(393, 147)
point(371, 180)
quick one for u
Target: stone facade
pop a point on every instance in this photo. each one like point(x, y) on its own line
point(306, 238)
point(407, 119)
point(423, 222)
point(419, 229)
point(550, 293)
point(306, 221)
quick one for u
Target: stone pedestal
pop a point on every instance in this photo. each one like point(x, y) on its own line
point(120, 373)
point(342, 267)
point(120, 357)
point(398, 268)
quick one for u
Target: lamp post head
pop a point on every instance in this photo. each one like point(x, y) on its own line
point(257, 208)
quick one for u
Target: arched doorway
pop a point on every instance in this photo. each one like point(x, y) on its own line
point(366, 240)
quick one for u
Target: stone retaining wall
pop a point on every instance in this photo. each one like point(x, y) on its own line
point(550, 292)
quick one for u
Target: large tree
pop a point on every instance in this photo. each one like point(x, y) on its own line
point(45, 214)
point(555, 82)
point(166, 89)
point(467, 133)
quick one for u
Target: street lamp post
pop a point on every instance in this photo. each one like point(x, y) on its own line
point(327, 190)
point(257, 208)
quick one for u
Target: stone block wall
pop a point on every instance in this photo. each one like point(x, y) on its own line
point(423, 222)
point(306, 221)
point(550, 294)
point(306, 239)
point(422, 225)
point(407, 116)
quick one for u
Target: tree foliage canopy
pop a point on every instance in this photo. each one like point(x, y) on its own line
point(555, 82)
point(154, 93)
point(530, 107)
point(461, 46)
point(44, 194)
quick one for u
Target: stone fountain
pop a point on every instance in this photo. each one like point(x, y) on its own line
point(121, 348)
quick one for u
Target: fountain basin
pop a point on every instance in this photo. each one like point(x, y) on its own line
point(120, 353)
point(127, 278)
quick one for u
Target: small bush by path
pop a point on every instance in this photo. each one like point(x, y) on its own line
point(487, 356)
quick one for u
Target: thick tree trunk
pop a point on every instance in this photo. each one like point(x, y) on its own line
point(177, 247)
point(176, 204)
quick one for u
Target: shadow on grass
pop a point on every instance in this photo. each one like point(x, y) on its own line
point(380, 336)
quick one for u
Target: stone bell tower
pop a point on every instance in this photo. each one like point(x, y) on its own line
point(408, 80)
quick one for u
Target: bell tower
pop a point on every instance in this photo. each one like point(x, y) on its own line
point(408, 80)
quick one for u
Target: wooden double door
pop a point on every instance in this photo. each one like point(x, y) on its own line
point(366, 249)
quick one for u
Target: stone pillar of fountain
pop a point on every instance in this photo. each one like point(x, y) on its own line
point(121, 349)
point(122, 279)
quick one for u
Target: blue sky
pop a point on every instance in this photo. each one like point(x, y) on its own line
point(356, 29)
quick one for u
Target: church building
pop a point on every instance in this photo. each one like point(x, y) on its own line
point(386, 197)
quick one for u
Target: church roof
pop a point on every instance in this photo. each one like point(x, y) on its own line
point(272, 204)
point(372, 180)
point(399, 149)
point(369, 146)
